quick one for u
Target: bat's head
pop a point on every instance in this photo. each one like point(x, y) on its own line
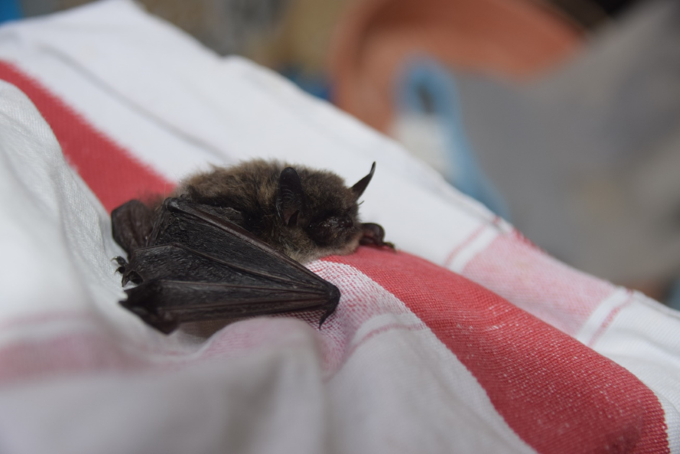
point(318, 214)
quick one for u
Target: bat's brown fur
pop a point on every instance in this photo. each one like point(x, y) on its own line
point(328, 224)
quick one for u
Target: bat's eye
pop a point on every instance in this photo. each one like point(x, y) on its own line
point(331, 228)
point(338, 222)
point(332, 223)
point(345, 222)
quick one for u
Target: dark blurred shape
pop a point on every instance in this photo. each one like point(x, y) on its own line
point(587, 13)
point(614, 7)
point(517, 40)
point(591, 14)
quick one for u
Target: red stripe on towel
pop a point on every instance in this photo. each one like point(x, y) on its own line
point(111, 172)
point(558, 395)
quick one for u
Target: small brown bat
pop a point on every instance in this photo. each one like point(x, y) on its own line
point(230, 243)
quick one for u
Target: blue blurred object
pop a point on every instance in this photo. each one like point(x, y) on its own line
point(317, 86)
point(9, 10)
point(427, 87)
point(673, 299)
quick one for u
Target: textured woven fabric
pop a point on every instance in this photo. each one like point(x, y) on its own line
point(468, 339)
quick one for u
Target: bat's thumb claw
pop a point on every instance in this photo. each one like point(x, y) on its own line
point(121, 264)
point(374, 235)
point(324, 317)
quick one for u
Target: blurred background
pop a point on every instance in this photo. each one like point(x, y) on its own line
point(562, 116)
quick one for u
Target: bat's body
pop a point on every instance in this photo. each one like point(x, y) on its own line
point(229, 243)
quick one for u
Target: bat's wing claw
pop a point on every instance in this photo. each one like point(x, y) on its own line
point(327, 314)
point(333, 300)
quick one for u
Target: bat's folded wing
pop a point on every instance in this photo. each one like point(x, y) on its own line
point(201, 266)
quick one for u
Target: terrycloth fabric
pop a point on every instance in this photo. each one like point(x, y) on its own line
point(469, 339)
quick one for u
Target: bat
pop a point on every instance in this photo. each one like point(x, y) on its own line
point(231, 243)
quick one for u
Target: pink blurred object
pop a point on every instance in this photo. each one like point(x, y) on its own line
point(516, 39)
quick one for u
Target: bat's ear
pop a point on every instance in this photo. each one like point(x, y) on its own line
point(290, 199)
point(361, 185)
